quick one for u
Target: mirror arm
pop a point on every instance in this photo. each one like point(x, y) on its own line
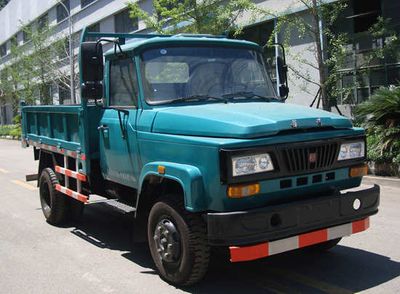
point(116, 44)
point(285, 68)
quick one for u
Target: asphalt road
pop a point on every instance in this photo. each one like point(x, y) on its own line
point(96, 256)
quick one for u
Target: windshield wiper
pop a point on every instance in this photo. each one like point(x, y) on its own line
point(249, 94)
point(197, 98)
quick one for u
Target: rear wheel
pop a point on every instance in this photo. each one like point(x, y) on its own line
point(178, 243)
point(54, 203)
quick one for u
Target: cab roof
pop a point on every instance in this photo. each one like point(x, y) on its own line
point(142, 43)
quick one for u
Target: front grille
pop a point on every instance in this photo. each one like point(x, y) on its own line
point(309, 158)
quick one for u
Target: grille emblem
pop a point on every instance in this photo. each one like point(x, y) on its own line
point(294, 124)
point(319, 122)
point(312, 157)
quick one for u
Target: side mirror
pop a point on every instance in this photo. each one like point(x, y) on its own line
point(282, 72)
point(92, 67)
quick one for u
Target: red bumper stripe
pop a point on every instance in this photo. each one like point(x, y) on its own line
point(71, 173)
point(313, 238)
point(253, 252)
point(73, 194)
point(360, 225)
point(249, 252)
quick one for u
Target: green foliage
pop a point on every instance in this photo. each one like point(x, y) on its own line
point(3, 3)
point(377, 151)
point(34, 67)
point(383, 29)
point(190, 16)
point(17, 119)
point(333, 56)
point(382, 108)
point(381, 116)
point(327, 56)
point(10, 130)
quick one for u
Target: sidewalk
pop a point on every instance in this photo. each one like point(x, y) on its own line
point(386, 181)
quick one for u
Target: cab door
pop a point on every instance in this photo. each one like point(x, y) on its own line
point(118, 136)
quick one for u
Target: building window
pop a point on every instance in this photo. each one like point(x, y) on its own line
point(3, 3)
point(62, 49)
point(26, 33)
point(123, 83)
point(63, 10)
point(14, 42)
point(123, 23)
point(85, 3)
point(94, 28)
point(3, 50)
point(43, 22)
point(366, 14)
point(64, 94)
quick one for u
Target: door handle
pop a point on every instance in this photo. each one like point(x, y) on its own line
point(102, 127)
point(104, 130)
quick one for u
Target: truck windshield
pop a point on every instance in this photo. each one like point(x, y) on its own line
point(173, 74)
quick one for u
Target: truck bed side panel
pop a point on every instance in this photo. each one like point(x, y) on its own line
point(64, 127)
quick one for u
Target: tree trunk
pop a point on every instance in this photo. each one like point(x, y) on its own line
point(320, 58)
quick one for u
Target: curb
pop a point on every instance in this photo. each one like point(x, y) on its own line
point(10, 138)
point(384, 181)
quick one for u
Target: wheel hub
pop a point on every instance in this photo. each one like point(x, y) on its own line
point(167, 241)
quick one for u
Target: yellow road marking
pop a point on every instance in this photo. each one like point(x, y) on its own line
point(4, 171)
point(23, 184)
point(308, 281)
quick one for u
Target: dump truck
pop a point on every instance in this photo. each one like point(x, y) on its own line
point(189, 135)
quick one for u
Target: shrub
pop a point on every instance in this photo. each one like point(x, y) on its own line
point(10, 130)
point(376, 149)
point(380, 115)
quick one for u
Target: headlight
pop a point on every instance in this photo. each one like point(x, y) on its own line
point(251, 164)
point(352, 150)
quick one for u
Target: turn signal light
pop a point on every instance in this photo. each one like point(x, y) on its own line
point(358, 171)
point(161, 169)
point(239, 191)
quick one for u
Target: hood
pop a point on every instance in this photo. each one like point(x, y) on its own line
point(242, 120)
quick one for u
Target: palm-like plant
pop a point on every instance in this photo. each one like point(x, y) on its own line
point(381, 114)
point(382, 108)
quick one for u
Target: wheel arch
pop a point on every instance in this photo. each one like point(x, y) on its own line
point(46, 159)
point(178, 179)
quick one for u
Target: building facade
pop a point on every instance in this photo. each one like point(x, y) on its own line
point(113, 16)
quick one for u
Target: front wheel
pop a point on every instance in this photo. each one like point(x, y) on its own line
point(178, 242)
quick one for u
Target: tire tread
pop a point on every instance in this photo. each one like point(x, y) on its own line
point(198, 243)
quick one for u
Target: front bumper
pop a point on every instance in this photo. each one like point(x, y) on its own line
point(282, 221)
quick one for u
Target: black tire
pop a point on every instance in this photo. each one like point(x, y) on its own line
point(54, 204)
point(188, 262)
point(325, 246)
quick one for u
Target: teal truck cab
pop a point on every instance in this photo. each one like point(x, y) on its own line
point(188, 134)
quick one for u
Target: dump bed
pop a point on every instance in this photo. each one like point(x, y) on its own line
point(69, 130)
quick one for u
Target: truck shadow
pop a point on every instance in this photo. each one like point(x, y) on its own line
point(342, 270)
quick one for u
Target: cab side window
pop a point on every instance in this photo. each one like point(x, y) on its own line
point(123, 83)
